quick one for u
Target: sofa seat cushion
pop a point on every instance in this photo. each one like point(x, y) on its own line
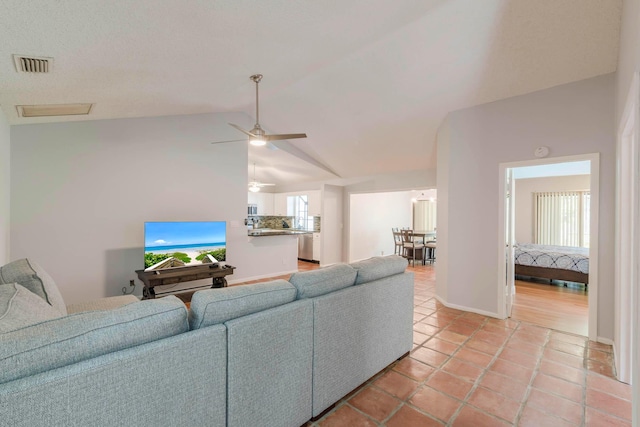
point(379, 267)
point(107, 303)
point(33, 277)
point(70, 339)
point(19, 307)
point(323, 280)
point(214, 306)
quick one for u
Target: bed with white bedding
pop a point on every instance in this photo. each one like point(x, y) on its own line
point(552, 262)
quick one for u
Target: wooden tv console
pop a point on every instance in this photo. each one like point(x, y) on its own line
point(187, 273)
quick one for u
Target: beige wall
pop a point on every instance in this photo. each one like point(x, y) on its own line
point(81, 192)
point(572, 119)
point(524, 189)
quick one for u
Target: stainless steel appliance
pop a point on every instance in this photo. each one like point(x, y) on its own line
point(305, 247)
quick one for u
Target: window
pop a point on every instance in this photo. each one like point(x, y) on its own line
point(562, 218)
point(301, 219)
point(424, 215)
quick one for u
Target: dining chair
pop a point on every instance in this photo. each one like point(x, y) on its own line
point(412, 247)
point(397, 241)
point(431, 250)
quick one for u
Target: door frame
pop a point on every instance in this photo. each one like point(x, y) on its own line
point(594, 159)
point(627, 239)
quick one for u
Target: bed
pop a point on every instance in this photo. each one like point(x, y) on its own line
point(552, 262)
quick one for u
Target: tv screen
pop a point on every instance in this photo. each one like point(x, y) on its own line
point(176, 244)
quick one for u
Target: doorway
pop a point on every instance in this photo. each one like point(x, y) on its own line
point(508, 213)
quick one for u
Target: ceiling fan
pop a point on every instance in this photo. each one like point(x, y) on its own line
point(255, 186)
point(257, 135)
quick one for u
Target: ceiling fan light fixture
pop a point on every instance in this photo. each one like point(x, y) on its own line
point(254, 188)
point(258, 142)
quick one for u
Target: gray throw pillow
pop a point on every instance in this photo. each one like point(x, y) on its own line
point(19, 307)
point(33, 277)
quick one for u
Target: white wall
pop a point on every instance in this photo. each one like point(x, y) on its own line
point(372, 215)
point(5, 155)
point(571, 119)
point(628, 64)
point(332, 224)
point(524, 189)
point(629, 54)
point(81, 192)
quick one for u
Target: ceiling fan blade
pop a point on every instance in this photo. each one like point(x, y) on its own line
point(280, 137)
point(232, 140)
point(242, 130)
point(259, 184)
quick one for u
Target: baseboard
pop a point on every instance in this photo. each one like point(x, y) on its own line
point(605, 341)
point(469, 309)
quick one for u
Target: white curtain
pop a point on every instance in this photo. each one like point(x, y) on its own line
point(562, 218)
point(424, 215)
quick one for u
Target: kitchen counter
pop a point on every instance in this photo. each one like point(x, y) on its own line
point(264, 232)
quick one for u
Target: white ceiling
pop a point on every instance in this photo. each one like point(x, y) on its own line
point(368, 81)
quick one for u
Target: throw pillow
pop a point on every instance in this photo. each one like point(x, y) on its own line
point(19, 307)
point(33, 277)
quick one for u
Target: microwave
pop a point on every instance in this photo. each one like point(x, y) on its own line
point(252, 209)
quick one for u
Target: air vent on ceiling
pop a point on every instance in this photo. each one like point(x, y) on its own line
point(32, 64)
point(53, 110)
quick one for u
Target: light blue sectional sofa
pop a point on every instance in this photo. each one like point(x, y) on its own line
point(271, 354)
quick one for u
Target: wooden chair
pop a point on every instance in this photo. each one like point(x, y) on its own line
point(412, 249)
point(431, 250)
point(397, 241)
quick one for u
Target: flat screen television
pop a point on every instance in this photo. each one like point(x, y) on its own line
point(180, 243)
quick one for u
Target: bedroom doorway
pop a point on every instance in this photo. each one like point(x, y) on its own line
point(566, 309)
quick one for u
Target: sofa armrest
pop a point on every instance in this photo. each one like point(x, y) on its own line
point(108, 303)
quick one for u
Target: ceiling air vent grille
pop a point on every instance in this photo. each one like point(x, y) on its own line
point(32, 64)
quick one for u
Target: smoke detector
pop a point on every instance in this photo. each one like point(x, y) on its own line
point(32, 64)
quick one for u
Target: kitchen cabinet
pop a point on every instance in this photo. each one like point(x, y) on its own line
point(264, 202)
point(280, 204)
point(315, 203)
point(316, 246)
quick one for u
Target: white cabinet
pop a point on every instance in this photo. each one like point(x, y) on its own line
point(315, 203)
point(280, 204)
point(264, 202)
point(316, 246)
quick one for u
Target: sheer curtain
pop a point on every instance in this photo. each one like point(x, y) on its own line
point(424, 215)
point(562, 218)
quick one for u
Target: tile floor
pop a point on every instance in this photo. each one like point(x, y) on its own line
point(470, 370)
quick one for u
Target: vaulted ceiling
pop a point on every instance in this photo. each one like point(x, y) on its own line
point(368, 81)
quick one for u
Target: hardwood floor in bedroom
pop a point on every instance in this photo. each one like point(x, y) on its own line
point(552, 306)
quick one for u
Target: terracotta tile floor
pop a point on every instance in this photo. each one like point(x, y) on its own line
point(470, 370)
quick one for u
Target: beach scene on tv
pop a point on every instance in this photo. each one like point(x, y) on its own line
point(176, 244)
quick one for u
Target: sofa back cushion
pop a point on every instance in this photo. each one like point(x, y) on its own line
point(324, 280)
point(379, 267)
point(19, 307)
point(70, 339)
point(214, 306)
point(33, 277)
